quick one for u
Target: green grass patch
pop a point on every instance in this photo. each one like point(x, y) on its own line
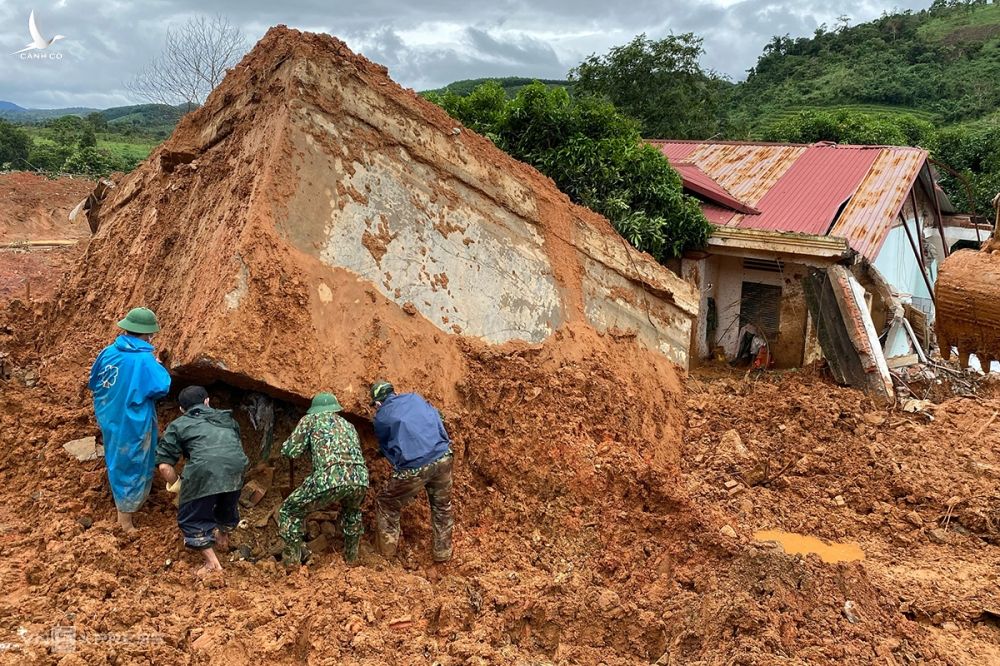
point(967, 23)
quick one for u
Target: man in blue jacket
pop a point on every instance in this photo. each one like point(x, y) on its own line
point(412, 437)
point(126, 381)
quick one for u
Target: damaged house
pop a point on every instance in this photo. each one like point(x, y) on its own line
point(785, 212)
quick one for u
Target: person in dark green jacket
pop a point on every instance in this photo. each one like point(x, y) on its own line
point(212, 478)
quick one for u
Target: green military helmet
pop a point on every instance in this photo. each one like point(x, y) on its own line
point(140, 320)
point(381, 390)
point(324, 402)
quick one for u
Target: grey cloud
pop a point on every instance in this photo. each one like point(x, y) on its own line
point(109, 40)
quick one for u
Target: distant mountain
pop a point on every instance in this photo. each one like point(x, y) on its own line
point(510, 84)
point(156, 120)
point(23, 115)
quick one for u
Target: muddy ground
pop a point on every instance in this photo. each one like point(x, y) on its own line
point(606, 515)
point(35, 209)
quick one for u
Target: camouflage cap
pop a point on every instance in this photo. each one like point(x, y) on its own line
point(381, 390)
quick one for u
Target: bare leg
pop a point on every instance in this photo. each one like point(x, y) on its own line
point(211, 562)
point(222, 541)
point(125, 522)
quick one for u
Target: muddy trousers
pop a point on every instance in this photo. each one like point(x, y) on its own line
point(402, 487)
point(313, 496)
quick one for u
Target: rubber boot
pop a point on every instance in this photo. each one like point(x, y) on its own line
point(293, 556)
point(385, 544)
point(351, 545)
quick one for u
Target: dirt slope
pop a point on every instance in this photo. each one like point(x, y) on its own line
point(36, 208)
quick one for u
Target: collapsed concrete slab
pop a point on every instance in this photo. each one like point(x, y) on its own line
point(846, 332)
point(314, 225)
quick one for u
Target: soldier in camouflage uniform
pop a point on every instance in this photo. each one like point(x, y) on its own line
point(339, 475)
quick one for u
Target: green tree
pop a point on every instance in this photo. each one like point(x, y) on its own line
point(974, 152)
point(15, 145)
point(659, 83)
point(595, 155)
point(855, 127)
point(48, 157)
point(97, 121)
point(66, 130)
point(93, 162)
point(88, 139)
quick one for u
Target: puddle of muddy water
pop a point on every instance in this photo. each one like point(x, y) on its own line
point(800, 544)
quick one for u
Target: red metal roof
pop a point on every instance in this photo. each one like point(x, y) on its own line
point(873, 209)
point(701, 183)
point(802, 188)
point(675, 150)
point(809, 194)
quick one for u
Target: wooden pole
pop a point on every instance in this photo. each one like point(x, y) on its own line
point(940, 219)
point(916, 253)
point(920, 236)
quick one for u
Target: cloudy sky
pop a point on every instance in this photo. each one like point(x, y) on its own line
point(425, 44)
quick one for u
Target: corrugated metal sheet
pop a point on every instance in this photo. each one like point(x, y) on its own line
point(809, 194)
point(801, 188)
point(676, 150)
point(873, 209)
point(746, 170)
point(702, 184)
point(717, 215)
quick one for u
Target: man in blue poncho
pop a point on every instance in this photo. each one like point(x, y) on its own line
point(411, 435)
point(126, 381)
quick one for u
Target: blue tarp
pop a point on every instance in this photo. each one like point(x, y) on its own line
point(410, 431)
point(126, 381)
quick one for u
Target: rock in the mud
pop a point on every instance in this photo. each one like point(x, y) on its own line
point(318, 545)
point(851, 612)
point(731, 448)
point(84, 449)
point(938, 535)
point(85, 522)
point(874, 418)
point(252, 494)
point(914, 519)
point(727, 530)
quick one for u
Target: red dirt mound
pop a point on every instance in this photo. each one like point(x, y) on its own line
point(315, 225)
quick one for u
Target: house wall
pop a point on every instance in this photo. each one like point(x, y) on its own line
point(790, 346)
point(703, 273)
point(728, 288)
point(896, 260)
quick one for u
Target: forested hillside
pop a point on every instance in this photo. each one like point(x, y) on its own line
point(940, 64)
point(929, 78)
point(510, 85)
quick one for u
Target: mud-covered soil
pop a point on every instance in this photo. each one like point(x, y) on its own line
point(918, 492)
point(35, 209)
point(592, 528)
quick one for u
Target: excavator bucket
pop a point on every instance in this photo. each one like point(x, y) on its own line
point(967, 297)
